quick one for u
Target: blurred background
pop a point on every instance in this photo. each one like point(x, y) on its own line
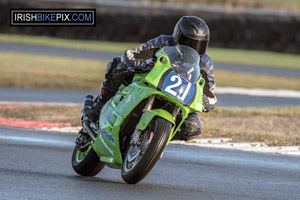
point(271, 25)
point(45, 73)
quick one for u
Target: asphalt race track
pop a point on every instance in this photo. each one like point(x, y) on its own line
point(36, 165)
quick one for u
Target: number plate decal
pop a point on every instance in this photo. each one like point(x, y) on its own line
point(178, 87)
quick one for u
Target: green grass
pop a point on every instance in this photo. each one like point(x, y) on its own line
point(246, 57)
point(32, 71)
point(243, 80)
point(274, 126)
point(115, 47)
point(39, 71)
point(256, 58)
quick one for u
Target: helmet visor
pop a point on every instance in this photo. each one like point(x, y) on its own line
point(199, 46)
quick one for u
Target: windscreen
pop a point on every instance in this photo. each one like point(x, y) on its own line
point(184, 60)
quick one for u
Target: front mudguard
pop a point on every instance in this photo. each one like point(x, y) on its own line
point(148, 115)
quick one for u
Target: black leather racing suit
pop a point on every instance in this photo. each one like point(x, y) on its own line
point(117, 73)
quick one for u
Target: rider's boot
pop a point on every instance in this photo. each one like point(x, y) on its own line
point(90, 112)
point(91, 109)
point(190, 129)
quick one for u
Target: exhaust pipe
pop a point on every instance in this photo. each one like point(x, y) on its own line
point(89, 130)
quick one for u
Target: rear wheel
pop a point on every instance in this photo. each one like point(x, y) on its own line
point(85, 161)
point(141, 158)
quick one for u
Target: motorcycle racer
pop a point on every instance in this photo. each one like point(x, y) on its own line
point(189, 30)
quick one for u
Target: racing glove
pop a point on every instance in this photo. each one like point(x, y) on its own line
point(140, 66)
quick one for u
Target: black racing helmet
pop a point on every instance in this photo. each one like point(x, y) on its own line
point(193, 32)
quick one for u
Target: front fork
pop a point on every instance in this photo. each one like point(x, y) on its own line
point(137, 133)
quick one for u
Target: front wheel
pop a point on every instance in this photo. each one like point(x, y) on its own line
point(141, 158)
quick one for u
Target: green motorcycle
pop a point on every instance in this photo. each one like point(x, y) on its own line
point(140, 120)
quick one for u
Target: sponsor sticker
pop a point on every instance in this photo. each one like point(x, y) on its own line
point(107, 135)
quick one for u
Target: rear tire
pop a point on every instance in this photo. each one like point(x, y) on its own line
point(86, 163)
point(158, 134)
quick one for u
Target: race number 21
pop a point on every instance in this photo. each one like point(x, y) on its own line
point(178, 88)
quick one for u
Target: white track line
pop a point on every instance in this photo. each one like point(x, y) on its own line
point(258, 92)
point(40, 141)
point(39, 103)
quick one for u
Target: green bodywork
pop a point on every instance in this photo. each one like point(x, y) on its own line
point(115, 111)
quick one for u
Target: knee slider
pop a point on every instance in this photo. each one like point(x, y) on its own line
point(190, 129)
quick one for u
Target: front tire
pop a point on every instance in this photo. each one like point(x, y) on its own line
point(140, 159)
